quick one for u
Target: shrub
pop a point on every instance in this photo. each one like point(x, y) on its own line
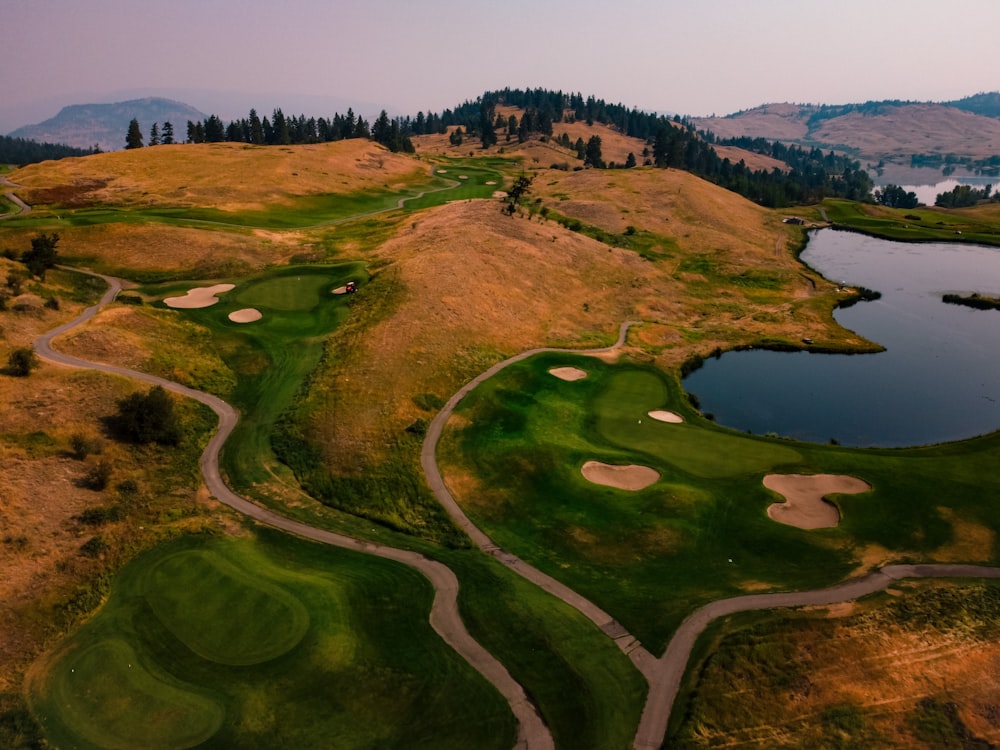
point(21, 362)
point(82, 445)
point(98, 475)
point(147, 418)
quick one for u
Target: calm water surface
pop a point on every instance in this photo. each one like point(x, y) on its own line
point(938, 380)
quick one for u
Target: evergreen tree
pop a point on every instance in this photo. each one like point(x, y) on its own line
point(42, 255)
point(134, 137)
point(256, 129)
point(154, 135)
point(593, 156)
point(168, 134)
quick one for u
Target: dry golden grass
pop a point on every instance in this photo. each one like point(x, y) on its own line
point(475, 283)
point(479, 285)
point(858, 658)
point(227, 176)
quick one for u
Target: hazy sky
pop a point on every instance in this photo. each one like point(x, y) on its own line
point(695, 57)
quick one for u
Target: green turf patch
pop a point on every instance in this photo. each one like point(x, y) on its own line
point(701, 532)
point(222, 613)
point(108, 697)
point(182, 654)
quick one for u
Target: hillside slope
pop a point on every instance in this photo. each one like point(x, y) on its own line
point(84, 125)
point(875, 130)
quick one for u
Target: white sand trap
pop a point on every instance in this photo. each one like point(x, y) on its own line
point(630, 477)
point(662, 415)
point(491, 182)
point(463, 177)
point(804, 505)
point(340, 290)
point(499, 194)
point(246, 315)
point(568, 373)
point(441, 171)
point(202, 296)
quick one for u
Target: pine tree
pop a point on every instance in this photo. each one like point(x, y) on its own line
point(167, 138)
point(134, 137)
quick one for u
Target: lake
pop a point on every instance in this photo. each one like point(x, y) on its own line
point(928, 183)
point(937, 381)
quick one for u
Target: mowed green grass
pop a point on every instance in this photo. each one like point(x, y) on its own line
point(701, 532)
point(270, 357)
point(265, 642)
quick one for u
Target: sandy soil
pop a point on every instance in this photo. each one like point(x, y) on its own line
point(568, 373)
point(202, 296)
point(630, 477)
point(662, 415)
point(340, 290)
point(246, 315)
point(804, 505)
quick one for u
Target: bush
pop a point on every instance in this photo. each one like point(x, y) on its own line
point(98, 476)
point(147, 418)
point(82, 446)
point(21, 362)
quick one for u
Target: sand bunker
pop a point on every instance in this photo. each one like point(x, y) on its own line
point(630, 477)
point(491, 182)
point(804, 505)
point(463, 177)
point(568, 373)
point(201, 296)
point(662, 415)
point(246, 315)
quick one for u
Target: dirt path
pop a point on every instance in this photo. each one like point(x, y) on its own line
point(664, 674)
point(22, 207)
point(533, 734)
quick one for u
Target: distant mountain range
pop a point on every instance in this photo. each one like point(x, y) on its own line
point(892, 130)
point(105, 125)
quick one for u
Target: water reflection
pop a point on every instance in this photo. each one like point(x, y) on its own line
point(937, 381)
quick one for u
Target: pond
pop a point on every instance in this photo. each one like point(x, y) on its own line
point(937, 381)
point(928, 183)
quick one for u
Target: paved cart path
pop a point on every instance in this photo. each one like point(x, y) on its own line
point(533, 734)
point(663, 674)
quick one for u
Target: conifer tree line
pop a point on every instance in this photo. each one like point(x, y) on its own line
point(669, 142)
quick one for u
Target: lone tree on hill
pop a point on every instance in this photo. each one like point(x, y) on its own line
point(517, 191)
point(134, 137)
point(43, 254)
point(147, 418)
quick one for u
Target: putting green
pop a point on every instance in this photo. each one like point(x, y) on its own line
point(621, 418)
point(222, 613)
point(114, 701)
point(264, 641)
point(292, 293)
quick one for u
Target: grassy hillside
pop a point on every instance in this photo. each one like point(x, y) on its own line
point(450, 284)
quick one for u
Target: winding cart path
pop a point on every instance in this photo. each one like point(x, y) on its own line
point(663, 674)
point(533, 734)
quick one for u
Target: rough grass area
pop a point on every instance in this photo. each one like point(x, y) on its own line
point(587, 690)
point(317, 646)
point(823, 682)
point(513, 455)
point(978, 225)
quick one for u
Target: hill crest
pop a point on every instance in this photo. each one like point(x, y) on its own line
point(84, 125)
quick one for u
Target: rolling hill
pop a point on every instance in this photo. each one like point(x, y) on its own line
point(84, 125)
point(890, 130)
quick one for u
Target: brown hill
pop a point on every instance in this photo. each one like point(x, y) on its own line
point(886, 130)
point(615, 146)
